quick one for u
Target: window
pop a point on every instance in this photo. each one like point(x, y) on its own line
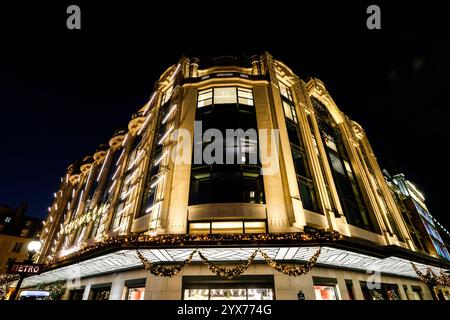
point(348, 189)
point(214, 288)
point(222, 227)
point(24, 232)
point(100, 292)
point(8, 219)
point(381, 292)
point(76, 294)
point(17, 247)
point(325, 288)
point(325, 292)
point(225, 95)
point(136, 293)
point(416, 293)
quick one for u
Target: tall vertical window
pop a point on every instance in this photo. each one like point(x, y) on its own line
point(223, 182)
point(302, 170)
point(350, 195)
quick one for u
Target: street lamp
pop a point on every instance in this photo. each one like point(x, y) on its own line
point(33, 247)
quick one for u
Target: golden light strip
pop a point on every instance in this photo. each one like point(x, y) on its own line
point(149, 103)
point(103, 165)
point(161, 158)
point(157, 181)
point(168, 114)
point(165, 135)
point(144, 125)
point(120, 157)
point(136, 159)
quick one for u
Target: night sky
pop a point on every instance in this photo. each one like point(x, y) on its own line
point(63, 92)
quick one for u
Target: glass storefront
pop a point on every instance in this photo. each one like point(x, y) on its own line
point(229, 294)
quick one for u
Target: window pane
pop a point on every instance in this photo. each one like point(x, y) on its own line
point(199, 227)
point(225, 95)
point(255, 227)
point(287, 110)
point(228, 294)
point(196, 294)
point(204, 103)
point(227, 227)
point(325, 292)
point(136, 293)
point(259, 294)
point(248, 102)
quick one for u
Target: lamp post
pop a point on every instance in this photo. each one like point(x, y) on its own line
point(33, 247)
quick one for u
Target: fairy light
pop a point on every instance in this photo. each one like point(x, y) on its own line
point(157, 181)
point(152, 207)
point(80, 199)
point(54, 195)
point(68, 205)
point(176, 71)
point(165, 135)
point(136, 159)
point(161, 158)
point(125, 140)
point(103, 165)
point(131, 177)
point(120, 157)
point(149, 103)
point(169, 113)
point(51, 219)
point(128, 192)
point(56, 206)
point(144, 125)
point(115, 173)
point(49, 209)
point(112, 186)
point(89, 178)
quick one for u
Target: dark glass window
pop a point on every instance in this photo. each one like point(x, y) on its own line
point(302, 170)
point(350, 195)
point(225, 108)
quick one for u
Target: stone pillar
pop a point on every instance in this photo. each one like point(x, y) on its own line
point(116, 290)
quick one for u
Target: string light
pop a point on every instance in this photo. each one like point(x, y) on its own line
point(161, 158)
point(125, 140)
point(120, 157)
point(149, 103)
point(168, 114)
point(136, 159)
point(103, 165)
point(115, 173)
point(112, 186)
point(165, 135)
point(144, 125)
point(176, 71)
point(157, 181)
point(202, 239)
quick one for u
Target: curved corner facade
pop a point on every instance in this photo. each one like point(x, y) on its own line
point(290, 162)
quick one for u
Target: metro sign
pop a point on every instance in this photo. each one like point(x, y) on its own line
point(25, 268)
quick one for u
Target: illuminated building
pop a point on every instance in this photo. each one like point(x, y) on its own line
point(16, 230)
point(323, 188)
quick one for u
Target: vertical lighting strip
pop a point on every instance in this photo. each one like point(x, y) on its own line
point(149, 103)
point(103, 165)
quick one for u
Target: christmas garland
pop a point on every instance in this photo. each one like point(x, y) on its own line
point(431, 278)
point(226, 272)
point(163, 271)
point(229, 273)
point(292, 270)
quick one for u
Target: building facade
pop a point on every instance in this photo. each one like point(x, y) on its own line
point(232, 160)
point(16, 231)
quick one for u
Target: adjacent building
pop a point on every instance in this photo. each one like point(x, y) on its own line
point(16, 230)
point(233, 162)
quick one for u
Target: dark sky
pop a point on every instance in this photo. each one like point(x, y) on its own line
point(62, 92)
